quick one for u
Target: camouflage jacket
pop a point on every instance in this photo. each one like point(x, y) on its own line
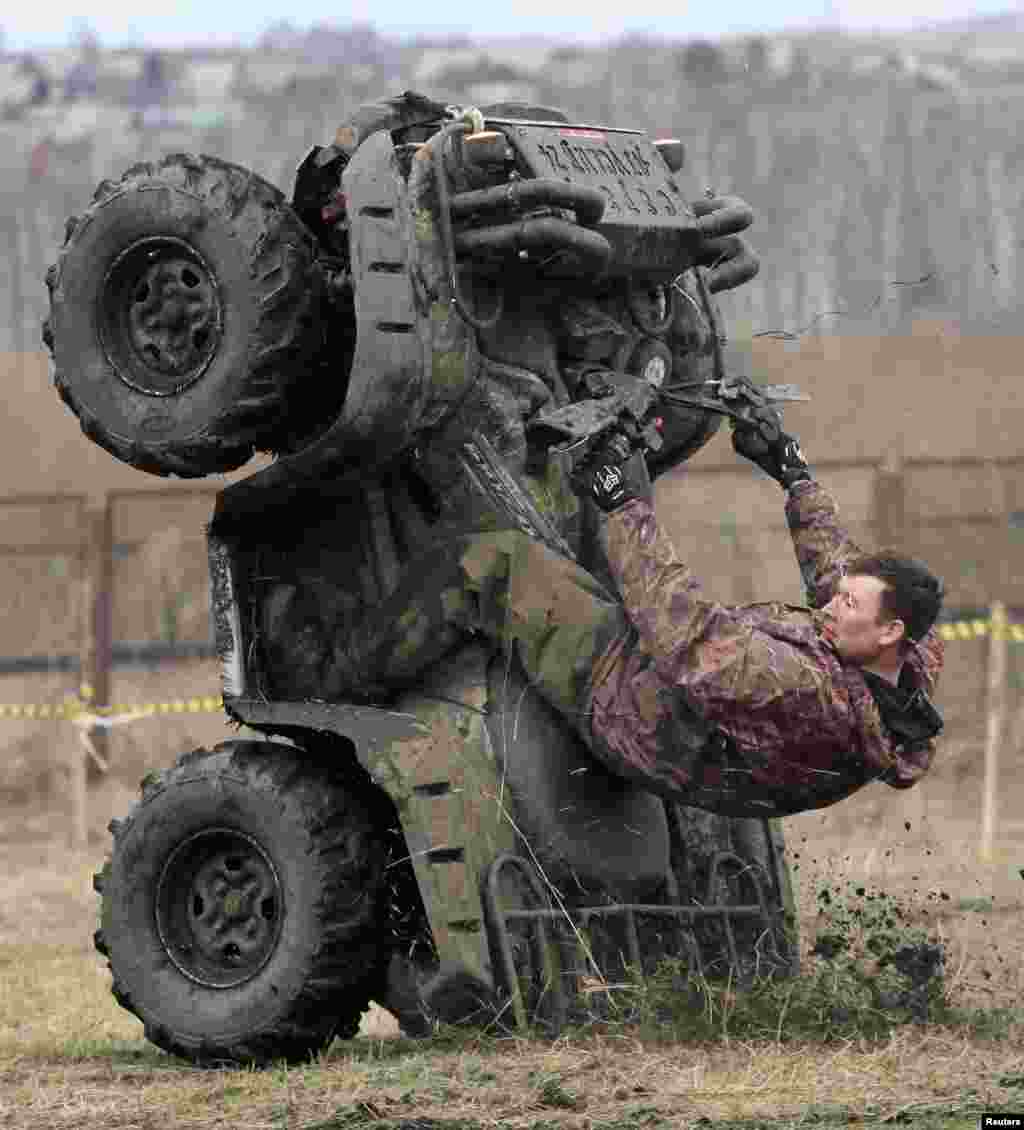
point(803, 724)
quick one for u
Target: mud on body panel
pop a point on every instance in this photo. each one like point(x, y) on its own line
point(449, 792)
point(414, 356)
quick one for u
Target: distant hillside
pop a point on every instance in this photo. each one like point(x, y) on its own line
point(885, 172)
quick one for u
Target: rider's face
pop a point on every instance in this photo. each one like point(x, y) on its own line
point(855, 623)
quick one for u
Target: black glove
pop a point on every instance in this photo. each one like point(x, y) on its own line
point(763, 442)
point(602, 475)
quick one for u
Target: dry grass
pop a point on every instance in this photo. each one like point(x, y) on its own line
point(69, 1057)
point(83, 1064)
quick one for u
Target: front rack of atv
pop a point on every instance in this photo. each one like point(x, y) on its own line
point(544, 974)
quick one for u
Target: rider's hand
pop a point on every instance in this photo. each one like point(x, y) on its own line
point(602, 476)
point(763, 442)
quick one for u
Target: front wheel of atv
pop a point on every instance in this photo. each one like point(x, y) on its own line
point(184, 306)
point(240, 906)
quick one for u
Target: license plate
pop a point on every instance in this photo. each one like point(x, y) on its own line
point(647, 219)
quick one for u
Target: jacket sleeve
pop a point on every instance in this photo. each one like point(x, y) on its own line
point(823, 547)
point(660, 593)
point(663, 598)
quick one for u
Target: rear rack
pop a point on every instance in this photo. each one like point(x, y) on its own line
point(559, 957)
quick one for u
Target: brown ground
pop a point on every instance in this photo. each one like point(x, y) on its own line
point(69, 1057)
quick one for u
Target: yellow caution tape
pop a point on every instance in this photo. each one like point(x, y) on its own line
point(214, 704)
point(975, 629)
point(74, 708)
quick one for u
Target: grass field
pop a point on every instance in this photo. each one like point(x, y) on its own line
point(70, 1057)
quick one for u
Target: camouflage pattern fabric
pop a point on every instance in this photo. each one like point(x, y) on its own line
point(802, 729)
point(741, 710)
point(503, 585)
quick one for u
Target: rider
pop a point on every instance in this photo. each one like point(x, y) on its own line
point(743, 710)
point(803, 705)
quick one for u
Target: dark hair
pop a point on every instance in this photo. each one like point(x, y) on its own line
point(912, 592)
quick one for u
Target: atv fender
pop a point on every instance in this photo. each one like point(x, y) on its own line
point(412, 348)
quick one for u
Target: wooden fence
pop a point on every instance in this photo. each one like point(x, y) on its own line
point(115, 571)
point(84, 579)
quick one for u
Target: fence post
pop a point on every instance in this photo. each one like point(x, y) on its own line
point(96, 631)
point(995, 704)
point(78, 828)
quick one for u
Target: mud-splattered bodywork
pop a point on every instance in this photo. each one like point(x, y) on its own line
point(456, 357)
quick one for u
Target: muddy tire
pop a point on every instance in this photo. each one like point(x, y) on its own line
point(184, 306)
point(241, 906)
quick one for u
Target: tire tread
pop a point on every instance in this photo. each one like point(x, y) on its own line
point(286, 337)
point(336, 984)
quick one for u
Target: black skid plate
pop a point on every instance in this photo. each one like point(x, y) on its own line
point(647, 220)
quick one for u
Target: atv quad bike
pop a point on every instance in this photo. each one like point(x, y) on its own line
point(453, 306)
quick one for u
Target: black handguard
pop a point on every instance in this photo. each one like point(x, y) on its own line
point(763, 442)
point(602, 476)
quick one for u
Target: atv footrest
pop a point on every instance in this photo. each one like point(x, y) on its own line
point(543, 955)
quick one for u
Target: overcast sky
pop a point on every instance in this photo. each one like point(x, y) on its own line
point(222, 22)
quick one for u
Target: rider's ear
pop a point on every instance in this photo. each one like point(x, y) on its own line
point(893, 631)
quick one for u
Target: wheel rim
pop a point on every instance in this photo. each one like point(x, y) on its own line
point(219, 907)
point(160, 316)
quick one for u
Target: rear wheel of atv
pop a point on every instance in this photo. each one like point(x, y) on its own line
point(183, 307)
point(240, 910)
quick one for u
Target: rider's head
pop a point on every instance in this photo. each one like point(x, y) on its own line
point(884, 602)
